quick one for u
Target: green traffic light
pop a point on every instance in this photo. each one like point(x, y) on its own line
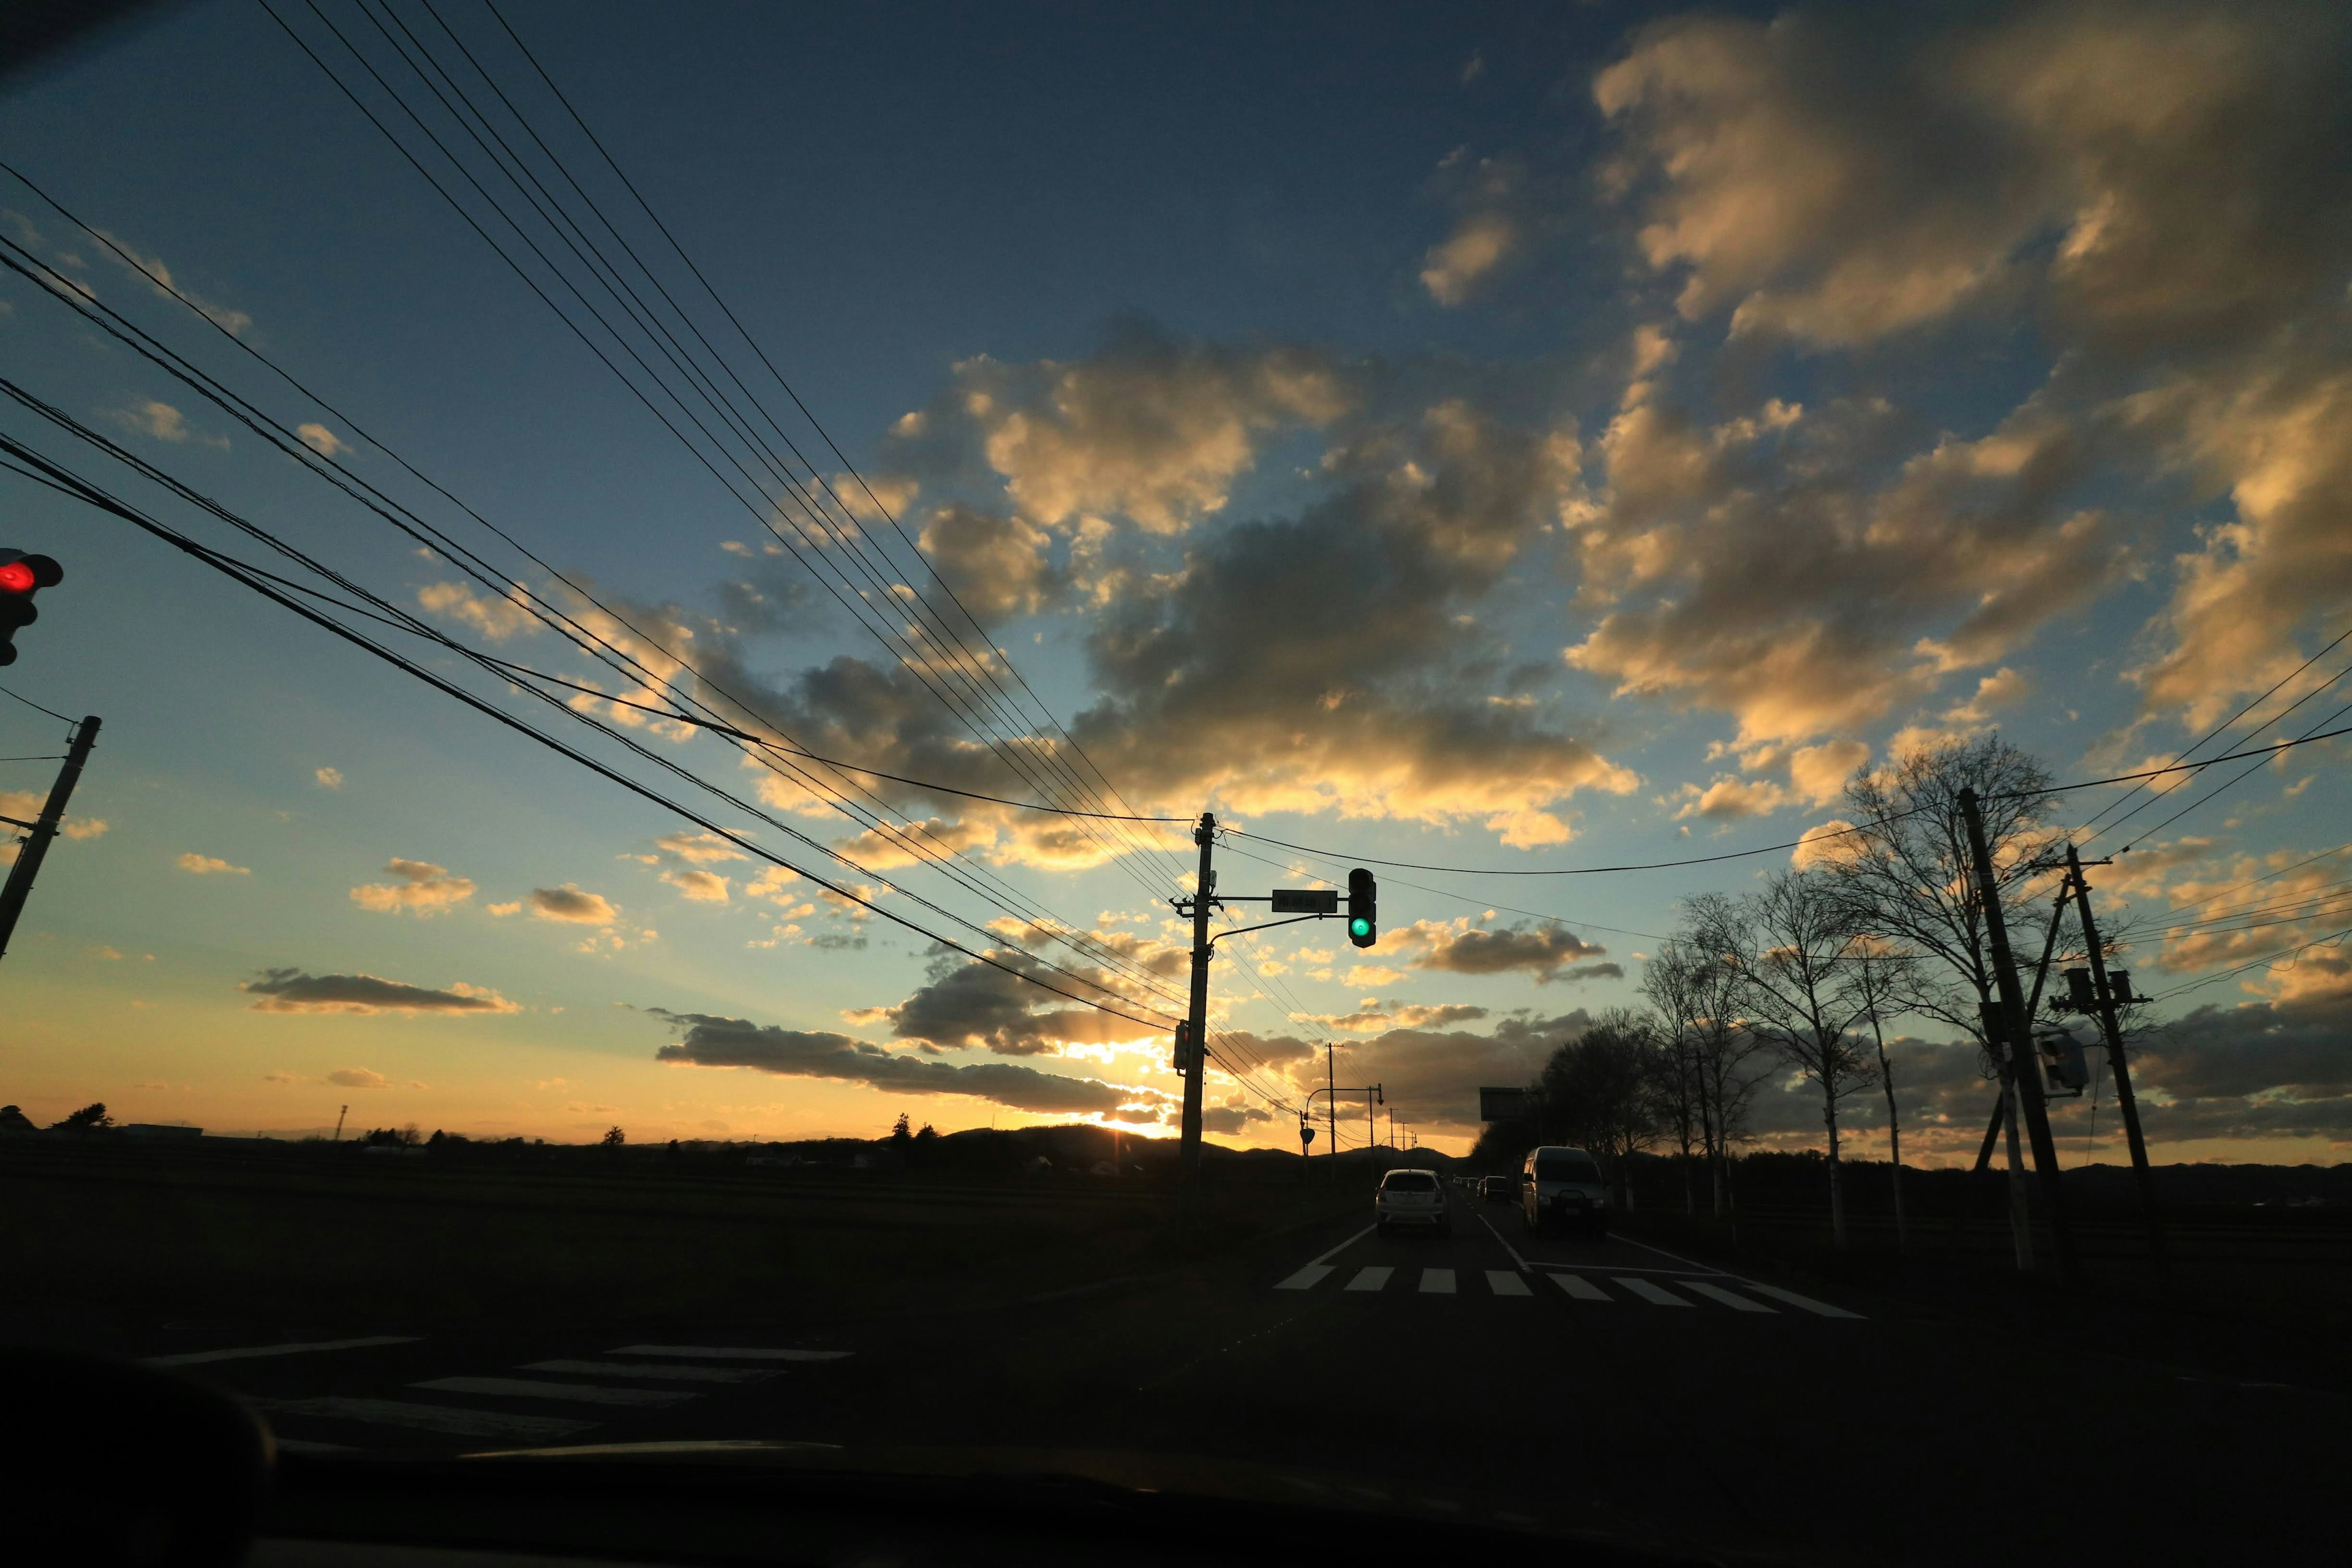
point(1360, 927)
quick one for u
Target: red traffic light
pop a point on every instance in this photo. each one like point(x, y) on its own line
point(21, 574)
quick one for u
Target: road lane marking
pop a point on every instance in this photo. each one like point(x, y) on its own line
point(1649, 1293)
point(1620, 1268)
point(1437, 1282)
point(429, 1418)
point(1582, 1288)
point(1694, 1268)
point(572, 1393)
point(1503, 1282)
point(1343, 1246)
point(1307, 1278)
point(198, 1358)
point(1807, 1302)
point(679, 1374)
point(1374, 1277)
point(1517, 1260)
point(729, 1352)
point(1717, 1293)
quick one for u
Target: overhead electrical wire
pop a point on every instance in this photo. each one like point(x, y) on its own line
point(2266, 959)
point(814, 557)
point(30, 703)
point(582, 637)
point(971, 667)
point(837, 583)
point(2308, 736)
point(60, 478)
point(63, 478)
point(2218, 729)
point(1819, 837)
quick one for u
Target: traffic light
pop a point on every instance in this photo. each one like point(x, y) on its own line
point(21, 576)
point(1182, 1060)
point(1363, 908)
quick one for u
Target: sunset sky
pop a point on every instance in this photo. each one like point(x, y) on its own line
point(1497, 436)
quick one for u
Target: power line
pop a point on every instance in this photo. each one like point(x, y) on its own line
point(1580, 871)
point(587, 641)
point(65, 480)
point(2331, 940)
point(30, 703)
point(2229, 783)
point(2179, 908)
point(876, 501)
point(1458, 898)
point(641, 315)
point(1818, 838)
point(2226, 723)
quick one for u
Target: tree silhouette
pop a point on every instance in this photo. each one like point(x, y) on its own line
point(88, 1119)
point(615, 1138)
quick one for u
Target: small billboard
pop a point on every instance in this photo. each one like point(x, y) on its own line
point(1505, 1104)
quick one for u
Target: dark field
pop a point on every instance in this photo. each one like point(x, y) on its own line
point(108, 1240)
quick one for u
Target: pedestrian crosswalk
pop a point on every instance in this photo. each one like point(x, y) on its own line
point(1667, 1291)
point(539, 1401)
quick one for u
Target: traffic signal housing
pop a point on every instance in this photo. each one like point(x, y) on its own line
point(22, 576)
point(1363, 908)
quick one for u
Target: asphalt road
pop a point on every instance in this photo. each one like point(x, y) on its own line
point(1609, 1385)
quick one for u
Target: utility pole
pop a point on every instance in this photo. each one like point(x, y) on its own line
point(1331, 1105)
point(1203, 899)
point(2108, 999)
point(346, 1110)
point(2017, 1040)
point(36, 839)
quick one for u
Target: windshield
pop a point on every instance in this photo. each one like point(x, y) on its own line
point(834, 723)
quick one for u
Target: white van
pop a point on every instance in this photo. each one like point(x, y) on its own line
point(1562, 1187)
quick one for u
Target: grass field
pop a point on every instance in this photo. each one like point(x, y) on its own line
point(109, 1235)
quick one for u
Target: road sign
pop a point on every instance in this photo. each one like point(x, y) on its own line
point(1306, 1133)
point(1505, 1104)
point(1305, 900)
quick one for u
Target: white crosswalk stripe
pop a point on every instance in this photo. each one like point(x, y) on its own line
point(730, 1352)
point(1657, 1288)
point(571, 1393)
point(1717, 1293)
point(449, 1418)
point(683, 1364)
point(1807, 1302)
point(676, 1372)
point(1656, 1294)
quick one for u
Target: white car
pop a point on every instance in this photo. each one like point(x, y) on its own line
point(1412, 1200)
point(1563, 1187)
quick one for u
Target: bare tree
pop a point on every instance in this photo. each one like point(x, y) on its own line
point(1671, 981)
point(1601, 1090)
point(1790, 943)
point(1873, 982)
point(1903, 873)
point(1728, 1053)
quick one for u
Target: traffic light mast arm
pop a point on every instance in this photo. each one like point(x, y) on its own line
point(1267, 926)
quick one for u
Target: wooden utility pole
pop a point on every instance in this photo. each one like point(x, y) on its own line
point(2017, 1041)
point(41, 831)
point(1203, 898)
point(2107, 1002)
